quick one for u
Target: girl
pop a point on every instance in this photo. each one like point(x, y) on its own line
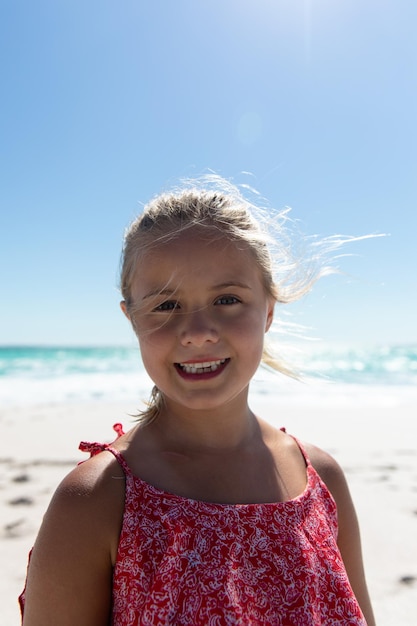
point(203, 513)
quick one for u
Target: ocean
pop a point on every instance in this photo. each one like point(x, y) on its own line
point(53, 375)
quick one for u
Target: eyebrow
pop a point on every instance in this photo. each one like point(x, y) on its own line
point(159, 292)
point(231, 283)
point(170, 292)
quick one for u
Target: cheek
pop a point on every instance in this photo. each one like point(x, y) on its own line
point(152, 354)
point(154, 343)
point(252, 323)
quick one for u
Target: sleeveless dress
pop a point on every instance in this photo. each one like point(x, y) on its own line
point(184, 562)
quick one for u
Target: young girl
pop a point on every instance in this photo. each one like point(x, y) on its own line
point(203, 513)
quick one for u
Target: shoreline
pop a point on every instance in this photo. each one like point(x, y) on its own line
point(375, 444)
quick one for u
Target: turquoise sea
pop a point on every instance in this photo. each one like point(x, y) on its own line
point(39, 375)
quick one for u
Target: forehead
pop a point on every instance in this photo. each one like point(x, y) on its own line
point(197, 255)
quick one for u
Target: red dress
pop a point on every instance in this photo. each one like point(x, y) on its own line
point(184, 562)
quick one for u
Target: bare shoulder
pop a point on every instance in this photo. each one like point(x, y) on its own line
point(69, 577)
point(349, 541)
point(91, 478)
point(334, 478)
point(329, 471)
point(91, 496)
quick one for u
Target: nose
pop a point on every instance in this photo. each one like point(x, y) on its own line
point(198, 328)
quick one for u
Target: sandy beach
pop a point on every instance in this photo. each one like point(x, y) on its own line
point(376, 445)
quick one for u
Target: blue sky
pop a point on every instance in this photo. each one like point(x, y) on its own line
point(105, 103)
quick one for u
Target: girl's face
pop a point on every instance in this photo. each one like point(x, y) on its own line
point(200, 313)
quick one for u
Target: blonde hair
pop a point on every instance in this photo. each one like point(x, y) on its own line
point(217, 204)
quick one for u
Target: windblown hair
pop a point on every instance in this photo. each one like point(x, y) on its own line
point(218, 205)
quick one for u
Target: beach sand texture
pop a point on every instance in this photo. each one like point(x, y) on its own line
point(376, 446)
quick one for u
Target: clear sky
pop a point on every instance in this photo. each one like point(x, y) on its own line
point(105, 103)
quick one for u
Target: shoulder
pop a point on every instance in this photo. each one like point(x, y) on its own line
point(328, 469)
point(99, 480)
point(89, 502)
point(334, 478)
point(69, 575)
point(91, 477)
point(348, 527)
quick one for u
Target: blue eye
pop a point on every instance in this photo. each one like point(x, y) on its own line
point(227, 300)
point(169, 305)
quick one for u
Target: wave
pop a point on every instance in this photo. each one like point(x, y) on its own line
point(32, 375)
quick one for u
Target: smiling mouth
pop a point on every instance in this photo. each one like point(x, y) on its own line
point(201, 368)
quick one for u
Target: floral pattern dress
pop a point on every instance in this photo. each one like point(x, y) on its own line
point(184, 562)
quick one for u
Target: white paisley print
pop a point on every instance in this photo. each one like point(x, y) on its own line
point(184, 562)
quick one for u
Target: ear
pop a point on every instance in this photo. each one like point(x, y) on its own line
point(270, 315)
point(124, 309)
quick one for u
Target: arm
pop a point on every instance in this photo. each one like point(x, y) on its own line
point(70, 574)
point(348, 536)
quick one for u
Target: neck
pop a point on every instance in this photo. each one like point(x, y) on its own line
point(229, 427)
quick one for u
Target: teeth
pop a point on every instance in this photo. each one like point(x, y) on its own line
point(201, 368)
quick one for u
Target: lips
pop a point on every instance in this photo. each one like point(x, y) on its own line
point(201, 369)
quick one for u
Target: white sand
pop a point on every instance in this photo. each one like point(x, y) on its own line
point(375, 444)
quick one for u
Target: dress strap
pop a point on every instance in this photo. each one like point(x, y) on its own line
point(300, 446)
point(302, 450)
point(120, 459)
point(94, 447)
